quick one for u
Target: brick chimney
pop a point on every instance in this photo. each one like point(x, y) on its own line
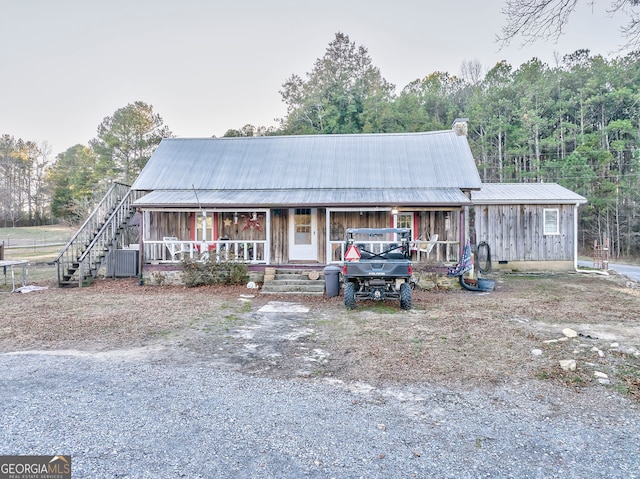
point(460, 126)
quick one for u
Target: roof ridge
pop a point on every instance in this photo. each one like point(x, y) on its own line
point(321, 135)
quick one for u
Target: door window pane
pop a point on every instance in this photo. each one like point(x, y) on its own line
point(302, 226)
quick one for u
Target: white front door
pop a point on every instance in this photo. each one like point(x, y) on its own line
point(303, 234)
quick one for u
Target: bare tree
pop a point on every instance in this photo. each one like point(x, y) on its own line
point(532, 20)
point(471, 71)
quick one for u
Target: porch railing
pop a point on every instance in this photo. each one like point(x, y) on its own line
point(442, 251)
point(174, 251)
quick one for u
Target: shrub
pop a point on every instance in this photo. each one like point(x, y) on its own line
point(199, 273)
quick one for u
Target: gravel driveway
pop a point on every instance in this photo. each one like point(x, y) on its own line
point(135, 418)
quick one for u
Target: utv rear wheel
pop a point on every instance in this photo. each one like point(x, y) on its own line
point(350, 295)
point(405, 296)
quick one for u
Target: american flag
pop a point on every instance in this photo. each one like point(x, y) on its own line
point(465, 262)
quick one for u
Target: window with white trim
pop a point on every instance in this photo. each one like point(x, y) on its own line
point(551, 221)
point(404, 220)
point(208, 223)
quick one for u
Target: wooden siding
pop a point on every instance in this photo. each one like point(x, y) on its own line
point(279, 236)
point(428, 223)
point(515, 232)
point(342, 220)
point(159, 224)
point(180, 224)
point(322, 235)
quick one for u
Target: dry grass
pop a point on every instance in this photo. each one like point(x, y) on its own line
point(453, 337)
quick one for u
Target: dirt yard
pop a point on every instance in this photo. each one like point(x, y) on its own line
point(456, 337)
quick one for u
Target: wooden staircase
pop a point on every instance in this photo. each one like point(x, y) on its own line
point(293, 281)
point(82, 257)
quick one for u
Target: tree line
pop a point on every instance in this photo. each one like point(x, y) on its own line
point(37, 190)
point(576, 122)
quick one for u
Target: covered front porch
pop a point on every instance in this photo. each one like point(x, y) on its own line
point(435, 232)
point(292, 236)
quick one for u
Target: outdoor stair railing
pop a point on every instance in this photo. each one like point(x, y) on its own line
point(81, 258)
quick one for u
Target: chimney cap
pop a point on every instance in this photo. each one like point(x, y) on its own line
point(459, 120)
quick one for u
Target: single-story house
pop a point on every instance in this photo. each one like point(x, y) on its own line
point(287, 200)
point(527, 226)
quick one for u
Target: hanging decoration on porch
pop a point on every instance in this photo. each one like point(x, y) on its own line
point(252, 222)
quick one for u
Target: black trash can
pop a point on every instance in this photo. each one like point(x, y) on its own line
point(332, 281)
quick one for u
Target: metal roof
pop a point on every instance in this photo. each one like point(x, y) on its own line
point(304, 197)
point(333, 163)
point(525, 193)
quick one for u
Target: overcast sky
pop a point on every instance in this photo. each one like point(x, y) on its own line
point(209, 65)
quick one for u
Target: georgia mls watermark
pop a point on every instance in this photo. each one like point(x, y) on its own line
point(35, 467)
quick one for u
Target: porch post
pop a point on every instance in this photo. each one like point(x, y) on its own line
point(327, 235)
point(267, 246)
point(140, 248)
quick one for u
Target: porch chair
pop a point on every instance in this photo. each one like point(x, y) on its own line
point(176, 249)
point(428, 246)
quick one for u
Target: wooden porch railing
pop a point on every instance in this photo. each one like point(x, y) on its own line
point(175, 250)
point(442, 251)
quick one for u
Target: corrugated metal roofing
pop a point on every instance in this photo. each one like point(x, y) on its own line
point(525, 193)
point(439, 159)
point(304, 197)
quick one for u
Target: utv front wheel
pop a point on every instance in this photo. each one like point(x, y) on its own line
point(405, 296)
point(350, 295)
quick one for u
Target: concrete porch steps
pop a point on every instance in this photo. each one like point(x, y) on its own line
point(293, 281)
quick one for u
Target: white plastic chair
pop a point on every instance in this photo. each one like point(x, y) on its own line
point(426, 248)
point(176, 248)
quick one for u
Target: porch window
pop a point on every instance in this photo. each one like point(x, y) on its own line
point(404, 220)
point(551, 221)
point(209, 227)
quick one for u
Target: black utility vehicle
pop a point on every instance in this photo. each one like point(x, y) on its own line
point(377, 265)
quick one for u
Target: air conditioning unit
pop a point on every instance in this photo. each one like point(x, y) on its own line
point(124, 263)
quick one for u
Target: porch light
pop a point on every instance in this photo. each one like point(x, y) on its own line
point(235, 218)
point(394, 211)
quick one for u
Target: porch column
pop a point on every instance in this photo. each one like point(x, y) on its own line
point(140, 248)
point(327, 237)
point(267, 246)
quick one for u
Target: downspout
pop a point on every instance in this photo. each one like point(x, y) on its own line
point(575, 247)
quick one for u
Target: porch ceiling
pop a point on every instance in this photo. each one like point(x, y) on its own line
point(304, 197)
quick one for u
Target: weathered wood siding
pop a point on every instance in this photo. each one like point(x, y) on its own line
point(516, 232)
point(158, 224)
point(446, 224)
point(342, 220)
point(322, 235)
point(279, 236)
